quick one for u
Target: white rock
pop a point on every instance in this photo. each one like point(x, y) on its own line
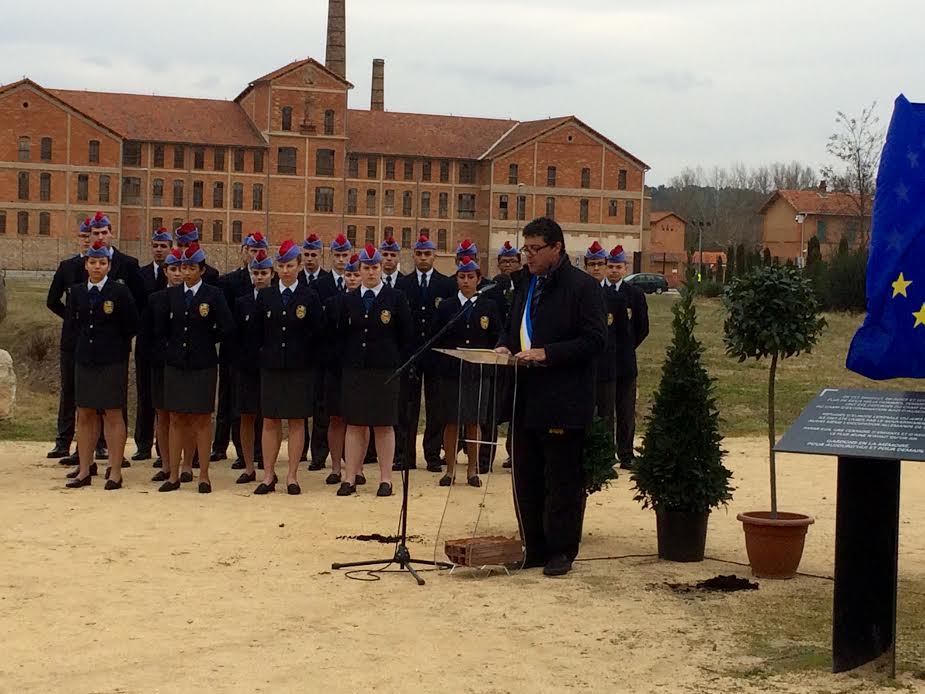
point(7, 385)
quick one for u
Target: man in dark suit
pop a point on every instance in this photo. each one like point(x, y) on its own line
point(558, 327)
point(637, 311)
point(424, 288)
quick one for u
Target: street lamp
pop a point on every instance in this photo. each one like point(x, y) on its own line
point(520, 187)
point(699, 223)
point(801, 219)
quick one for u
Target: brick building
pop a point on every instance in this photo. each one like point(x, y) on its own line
point(663, 247)
point(289, 157)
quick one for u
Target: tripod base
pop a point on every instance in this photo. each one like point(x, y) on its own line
point(402, 558)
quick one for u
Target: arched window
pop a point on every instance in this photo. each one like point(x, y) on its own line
point(23, 185)
point(329, 122)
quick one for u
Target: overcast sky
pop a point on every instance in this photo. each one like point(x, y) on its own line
point(676, 82)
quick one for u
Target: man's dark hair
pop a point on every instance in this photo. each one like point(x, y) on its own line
point(547, 229)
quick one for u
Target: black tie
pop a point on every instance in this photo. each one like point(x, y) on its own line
point(388, 280)
point(340, 284)
point(311, 278)
point(537, 290)
point(287, 295)
point(368, 298)
point(94, 296)
point(423, 287)
point(189, 298)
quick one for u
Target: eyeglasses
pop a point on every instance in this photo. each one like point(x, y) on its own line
point(533, 250)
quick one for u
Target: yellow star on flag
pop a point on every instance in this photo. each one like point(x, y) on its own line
point(900, 285)
point(919, 317)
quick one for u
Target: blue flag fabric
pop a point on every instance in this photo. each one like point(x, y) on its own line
point(891, 342)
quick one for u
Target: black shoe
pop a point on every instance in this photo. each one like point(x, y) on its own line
point(72, 459)
point(142, 454)
point(434, 467)
point(101, 453)
point(446, 481)
point(315, 465)
point(627, 464)
point(169, 486)
point(474, 481)
point(531, 562)
point(293, 489)
point(346, 489)
point(215, 456)
point(76, 483)
point(385, 489)
point(360, 480)
point(161, 476)
point(158, 463)
point(333, 478)
point(246, 477)
point(507, 464)
point(484, 469)
point(559, 565)
point(264, 488)
point(73, 473)
point(112, 484)
point(238, 465)
point(186, 477)
point(205, 488)
point(58, 452)
point(125, 463)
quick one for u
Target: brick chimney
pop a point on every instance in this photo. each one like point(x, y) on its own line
point(377, 97)
point(822, 187)
point(335, 57)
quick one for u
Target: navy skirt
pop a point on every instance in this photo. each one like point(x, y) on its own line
point(190, 391)
point(246, 398)
point(287, 393)
point(101, 387)
point(367, 400)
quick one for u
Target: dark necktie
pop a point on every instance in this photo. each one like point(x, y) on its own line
point(537, 290)
point(468, 312)
point(94, 296)
point(189, 298)
point(287, 295)
point(368, 298)
point(388, 280)
point(340, 284)
point(311, 279)
point(423, 287)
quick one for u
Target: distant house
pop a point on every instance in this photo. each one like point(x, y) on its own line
point(663, 246)
point(791, 217)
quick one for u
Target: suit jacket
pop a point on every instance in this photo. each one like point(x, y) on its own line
point(324, 285)
point(289, 335)
point(424, 306)
point(103, 332)
point(379, 339)
point(150, 343)
point(235, 283)
point(496, 295)
point(210, 276)
point(618, 360)
point(639, 309)
point(148, 280)
point(569, 323)
point(193, 333)
point(245, 348)
point(478, 328)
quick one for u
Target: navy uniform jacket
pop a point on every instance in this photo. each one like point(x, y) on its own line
point(496, 295)
point(570, 324)
point(479, 328)
point(149, 282)
point(210, 276)
point(152, 343)
point(192, 333)
point(104, 332)
point(380, 339)
point(423, 308)
point(324, 285)
point(333, 342)
point(245, 349)
point(636, 301)
point(289, 335)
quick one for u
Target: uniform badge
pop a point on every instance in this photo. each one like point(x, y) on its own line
point(108, 307)
point(247, 317)
point(483, 321)
point(385, 317)
point(300, 312)
point(609, 319)
point(437, 301)
point(629, 313)
point(120, 281)
point(269, 313)
point(203, 310)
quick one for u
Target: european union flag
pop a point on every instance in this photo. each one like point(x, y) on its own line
point(891, 342)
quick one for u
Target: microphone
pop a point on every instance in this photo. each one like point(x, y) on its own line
point(486, 288)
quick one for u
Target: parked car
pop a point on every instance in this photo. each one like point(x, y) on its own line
point(649, 282)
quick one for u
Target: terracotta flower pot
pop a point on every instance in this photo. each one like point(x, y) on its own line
point(774, 545)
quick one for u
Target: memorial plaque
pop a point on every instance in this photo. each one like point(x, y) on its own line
point(886, 425)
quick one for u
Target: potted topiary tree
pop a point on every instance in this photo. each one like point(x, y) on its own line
point(772, 312)
point(679, 471)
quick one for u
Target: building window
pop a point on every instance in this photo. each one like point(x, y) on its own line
point(286, 161)
point(405, 237)
point(329, 122)
point(583, 211)
point(257, 195)
point(521, 207)
point(199, 158)
point(2, 222)
point(612, 208)
point(218, 195)
point(83, 188)
point(586, 178)
point(512, 172)
point(23, 185)
point(198, 223)
point(131, 191)
point(370, 235)
point(324, 199)
point(628, 212)
point(237, 196)
point(425, 170)
point(441, 239)
point(158, 158)
point(324, 162)
point(45, 186)
point(371, 167)
point(197, 193)
point(444, 172)
point(287, 117)
point(502, 207)
point(551, 176)
point(352, 201)
point(465, 208)
point(406, 203)
point(388, 232)
point(236, 231)
point(179, 157)
point(851, 231)
point(22, 223)
point(104, 188)
point(24, 143)
point(443, 205)
point(621, 179)
point(820, 229)
point(390, 169)
point(157, 192)
point(177, 193)
point(176, 223)
point(258, 161)
point(217, 232)
point(425, 204)
point(353, 166)
point(466, 172)
point(131, 154)
point(352, 234)
point(45, 149)
point(551, 207)
point(44, 223)
point(388, 203)
point(156, 223)
point(238, 159)
point(371, 202)
point(218, 159)
point(94, 153)
point(409, 169)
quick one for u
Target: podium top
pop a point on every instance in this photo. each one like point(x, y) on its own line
point(483, 356)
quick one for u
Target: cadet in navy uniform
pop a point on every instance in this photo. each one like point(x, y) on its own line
point(510, 272)
point(188, 234)
point(312, 275)
point(332, 352)
point(288, 325)
point(424, 288)
point(106, 319)
point(390, 252)
point(637, 311)
point(312, 271)
point(595, 262)
point(375, 327)
point(478, 328)
point(245, 367)
point(198, 319)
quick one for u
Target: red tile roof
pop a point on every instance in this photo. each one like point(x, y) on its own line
point(285, 69)
point(524, 132)
point(167, 118)
point(816, 202)
point(655, 217)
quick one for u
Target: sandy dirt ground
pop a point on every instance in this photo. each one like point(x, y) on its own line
point(135, 591)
